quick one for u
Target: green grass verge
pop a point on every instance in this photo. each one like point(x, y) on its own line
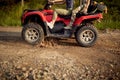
point(108, 22)
point(12, 16)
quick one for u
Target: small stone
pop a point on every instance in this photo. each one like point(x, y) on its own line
point(118, 74)
point(18, 67)
point(107, 30)
point(30, 77)
point(86, 68)
point(102, 76)
point(24, 69)
point(112, 65)
point(5, 62)
point(82, 71)
point(30, 69)
point(38, 76)
point(18, 78)
point(25, 64)
point(45, 73)
point(0, 74)
point(26, 75)
point(64, 75)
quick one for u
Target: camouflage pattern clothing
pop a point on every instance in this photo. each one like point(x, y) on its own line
point(84, 4)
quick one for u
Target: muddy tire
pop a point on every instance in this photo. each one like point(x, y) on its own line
point(33, 33)
point(86, 36)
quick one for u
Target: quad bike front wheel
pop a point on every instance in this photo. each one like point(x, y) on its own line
point(33, 33)
point(86, 36)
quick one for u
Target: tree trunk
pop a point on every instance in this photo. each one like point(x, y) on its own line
point(22, 3)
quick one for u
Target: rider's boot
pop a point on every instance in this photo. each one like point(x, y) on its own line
point(68, 27)
point(67, 32)
point(50, 24)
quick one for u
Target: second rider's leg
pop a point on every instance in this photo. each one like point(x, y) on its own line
point(73, 17)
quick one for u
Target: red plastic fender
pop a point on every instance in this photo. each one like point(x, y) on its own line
point(78, 21)
point(33, 13)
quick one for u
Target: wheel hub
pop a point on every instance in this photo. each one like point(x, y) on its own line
point(32, 34)
point(87, 36)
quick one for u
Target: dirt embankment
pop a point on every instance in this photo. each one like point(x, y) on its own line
point(59, 59)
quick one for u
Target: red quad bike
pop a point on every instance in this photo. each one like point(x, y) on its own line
point(35, 28)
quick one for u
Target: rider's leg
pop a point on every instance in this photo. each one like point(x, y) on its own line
point(69, 26)
point(51, 24)
point(55, 14)
point(86, 5)
point(67, 31)
point(61, 12)
point(73, 17)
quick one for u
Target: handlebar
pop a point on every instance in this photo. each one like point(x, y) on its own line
point(56, 1)
point(48, 6)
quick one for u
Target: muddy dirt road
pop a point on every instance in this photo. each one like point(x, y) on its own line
point(59, 59)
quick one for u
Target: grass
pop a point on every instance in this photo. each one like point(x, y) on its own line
point(12, 16)
point(108, 22)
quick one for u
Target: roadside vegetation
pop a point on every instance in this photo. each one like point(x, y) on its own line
point(11, 11)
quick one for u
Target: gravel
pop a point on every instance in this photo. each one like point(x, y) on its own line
point(58, 67)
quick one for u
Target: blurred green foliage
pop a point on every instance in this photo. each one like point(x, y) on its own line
point(11, 11)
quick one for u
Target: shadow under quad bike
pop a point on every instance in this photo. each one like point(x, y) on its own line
point(35, 28)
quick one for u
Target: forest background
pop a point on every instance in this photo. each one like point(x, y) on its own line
point(11, 11)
